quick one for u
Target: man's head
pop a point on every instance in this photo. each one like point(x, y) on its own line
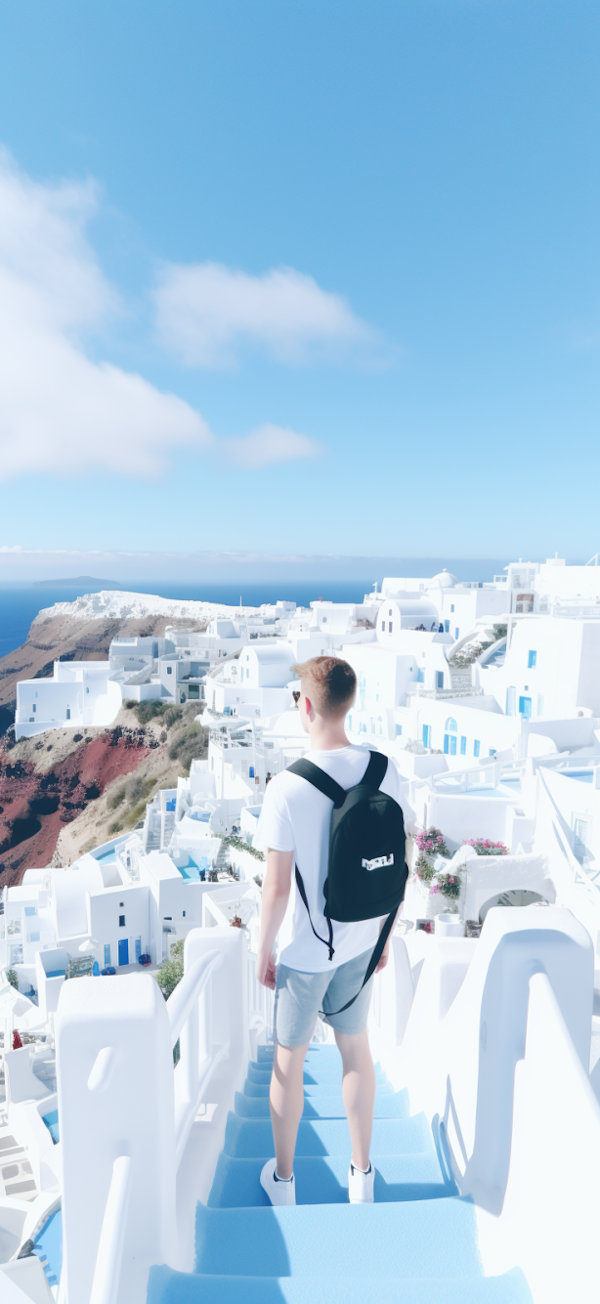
point(328, 689)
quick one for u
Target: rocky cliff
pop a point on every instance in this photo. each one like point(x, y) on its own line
point(59, 791)
point(83, 630)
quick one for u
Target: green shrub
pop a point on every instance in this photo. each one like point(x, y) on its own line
point(116, 798)
point(137, 813)
point(130, 704)
point(171, 970)
point(172, 715)
point(147, 711)
point(11, 977)
point(189, 744)
point(136, 789)
point(116, 826)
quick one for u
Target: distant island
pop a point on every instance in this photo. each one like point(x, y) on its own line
point(75, 582)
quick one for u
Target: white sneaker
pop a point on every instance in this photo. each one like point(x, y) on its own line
point(278, 1191)
point(360, 1185)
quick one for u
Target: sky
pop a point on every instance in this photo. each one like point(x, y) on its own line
point(298, 278)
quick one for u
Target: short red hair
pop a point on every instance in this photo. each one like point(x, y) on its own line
point(332, 684)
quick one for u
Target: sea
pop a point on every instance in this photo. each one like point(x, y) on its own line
point(20, 603)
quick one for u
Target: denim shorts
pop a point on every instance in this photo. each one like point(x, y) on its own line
point(300, 997)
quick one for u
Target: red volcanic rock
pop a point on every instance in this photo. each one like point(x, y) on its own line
point(34, 807)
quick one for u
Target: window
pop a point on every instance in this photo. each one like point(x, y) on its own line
point(531, 660)
point(463, 745)
point(446, 627)
point(169, 670)
point(439, 680)
point(426, 735)
point(525, 707)
point(421, 676)
point(121, 921)
point(184, 910)
point(398, 730)
point(390, 612)
point(450, 737)
point(456, 633)
point(87, 690)
point(68, 713)
point(391, 626)
point(30, 910)
point(33, 937)
point(580, 837)
point(383, 625)
point(476, 747)
point(34, 708)
point(451, 606)
point(324, 622)
point(492, 751)
point(106, 954)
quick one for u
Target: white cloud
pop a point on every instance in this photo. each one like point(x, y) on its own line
point(61, 412)
point(270, 444)
point(206, 312)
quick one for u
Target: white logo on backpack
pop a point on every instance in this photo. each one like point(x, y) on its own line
point(379, 862)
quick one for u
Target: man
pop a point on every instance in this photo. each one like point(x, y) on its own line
point(294, 828)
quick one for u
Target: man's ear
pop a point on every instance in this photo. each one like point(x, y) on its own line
point(308, 706)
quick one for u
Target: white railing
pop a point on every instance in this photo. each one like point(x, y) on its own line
point(198, 1058)
point(112, 1236)
point(126, 1114)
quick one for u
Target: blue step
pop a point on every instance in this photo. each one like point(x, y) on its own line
point(324, 1180)
point(330, 1105)
point(329, 1051)
point(310, 1089)
point(247, 1138)
point(314, 1072)
point(369, 1241)
point(169, 1287)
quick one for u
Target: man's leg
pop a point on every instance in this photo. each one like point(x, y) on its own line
point(287, 1102)
point(358, 1090)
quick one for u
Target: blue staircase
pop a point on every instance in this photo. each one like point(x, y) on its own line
point(417, 1244)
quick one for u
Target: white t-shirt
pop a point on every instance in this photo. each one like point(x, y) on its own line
point(297, 817)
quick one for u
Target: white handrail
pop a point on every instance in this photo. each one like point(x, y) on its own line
point(181, 1002)
point(188, 1107)
point(112, 1236)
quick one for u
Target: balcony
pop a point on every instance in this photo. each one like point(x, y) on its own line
point(439, 694)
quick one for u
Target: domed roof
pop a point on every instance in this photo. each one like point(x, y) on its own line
point(445, 579)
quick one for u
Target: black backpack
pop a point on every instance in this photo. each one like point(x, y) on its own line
point(366, 874)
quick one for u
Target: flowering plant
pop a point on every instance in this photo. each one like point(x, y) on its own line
point(431, 843)
point(484, 847)
point(423, 869)
point(449, 885)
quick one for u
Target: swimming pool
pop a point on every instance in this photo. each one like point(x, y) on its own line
point(191, 872)
point(51, 1121)
point(48, 1247)
point(584, 776)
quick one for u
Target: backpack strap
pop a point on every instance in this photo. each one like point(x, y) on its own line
point(319, 779)
point(302, 891)
point(328, 786)
point(376, 770)
point(372, 965)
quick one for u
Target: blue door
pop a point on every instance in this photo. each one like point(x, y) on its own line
point(138, 947)
point(525, 707)
point(124, 951)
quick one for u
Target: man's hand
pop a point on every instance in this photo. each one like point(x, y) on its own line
point(266, 970)
point(385, 955)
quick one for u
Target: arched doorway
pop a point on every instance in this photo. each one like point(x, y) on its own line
point(515, 896)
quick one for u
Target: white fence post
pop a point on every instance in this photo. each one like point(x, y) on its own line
point(115, 1099)
point(222, 1013)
